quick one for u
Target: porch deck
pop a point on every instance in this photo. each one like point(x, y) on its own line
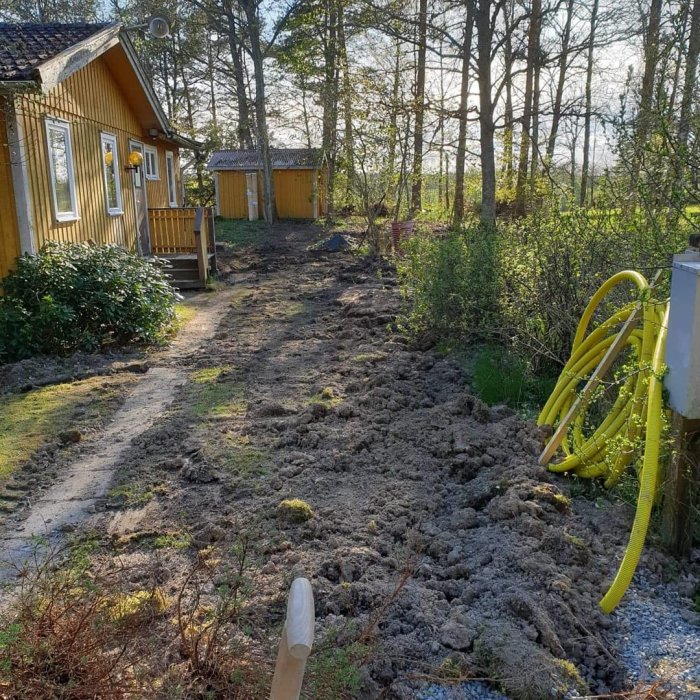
point(186, 238)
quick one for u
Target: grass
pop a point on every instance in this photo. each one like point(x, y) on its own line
point(239, 233)
point(30, 421)
point(214, 397)
point(184, 313)
point(499, 377)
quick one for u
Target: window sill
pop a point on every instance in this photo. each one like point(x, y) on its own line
point(115, 212)
point(174, 206)
point(67, 219)
point(152, 177)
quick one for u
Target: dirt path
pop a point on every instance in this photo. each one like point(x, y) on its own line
point(74, 495)
point(438, 548)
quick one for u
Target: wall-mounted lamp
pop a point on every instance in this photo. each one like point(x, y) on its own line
point(135, 160)
point(153, 133)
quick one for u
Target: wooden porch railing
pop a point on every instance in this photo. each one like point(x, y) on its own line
point(186, 231)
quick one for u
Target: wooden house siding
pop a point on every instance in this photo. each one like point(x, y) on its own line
point(294, 193)
point(9, 232)
point(91, 102)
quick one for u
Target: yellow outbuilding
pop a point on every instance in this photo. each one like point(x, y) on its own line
point(299, 180)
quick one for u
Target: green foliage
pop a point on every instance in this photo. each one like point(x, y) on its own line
point(526, 285)
point(451, 285)
point(240, 233)
point(500, 376)
point(79, 297)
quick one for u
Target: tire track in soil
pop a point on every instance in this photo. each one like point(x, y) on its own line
point(73, 496)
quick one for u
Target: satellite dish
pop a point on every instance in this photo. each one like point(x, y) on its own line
point(158, 27)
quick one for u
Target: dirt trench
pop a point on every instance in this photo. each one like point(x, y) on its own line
point(438, 549)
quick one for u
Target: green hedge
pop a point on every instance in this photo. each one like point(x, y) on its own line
point(81, 297)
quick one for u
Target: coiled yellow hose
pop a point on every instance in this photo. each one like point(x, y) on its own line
point(637, 411)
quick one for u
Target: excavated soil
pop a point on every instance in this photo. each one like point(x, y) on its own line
point(433, 530)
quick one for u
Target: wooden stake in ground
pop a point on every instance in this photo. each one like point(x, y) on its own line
point(681, 487)
point(295, 645)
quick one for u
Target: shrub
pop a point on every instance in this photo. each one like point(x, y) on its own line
point(81, 297)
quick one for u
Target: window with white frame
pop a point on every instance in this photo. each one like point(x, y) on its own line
point(151, 163)
point(61, 171)
point(110, 167)
point(170, 172)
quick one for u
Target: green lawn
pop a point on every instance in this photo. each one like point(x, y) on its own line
point(239, 233)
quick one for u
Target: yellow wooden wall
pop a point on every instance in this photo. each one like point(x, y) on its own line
point(9, 233)
point(91, 101)
point(293, 194)
point(157, 190)
point(233, 202)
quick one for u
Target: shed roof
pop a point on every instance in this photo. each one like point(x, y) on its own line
point(23, 47)
point(282, 159)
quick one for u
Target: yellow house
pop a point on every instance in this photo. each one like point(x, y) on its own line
point(299, 177)
point(86, 151)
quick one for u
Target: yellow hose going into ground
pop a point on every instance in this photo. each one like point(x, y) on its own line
point(636, 412)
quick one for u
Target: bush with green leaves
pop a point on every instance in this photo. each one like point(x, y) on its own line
point(526, 285)
point(72, 297)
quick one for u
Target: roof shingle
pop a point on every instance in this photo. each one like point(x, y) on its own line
point(23, 47)
point(282, 159)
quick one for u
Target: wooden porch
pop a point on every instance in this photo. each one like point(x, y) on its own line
point(186, 237)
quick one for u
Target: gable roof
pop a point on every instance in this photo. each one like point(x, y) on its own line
point(282, 159)
point(43, 55)
point(24, 47)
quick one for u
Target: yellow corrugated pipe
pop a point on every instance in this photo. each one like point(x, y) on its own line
point(637, 411)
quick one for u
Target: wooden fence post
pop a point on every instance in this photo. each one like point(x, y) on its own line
point(681, 487)
point(201, 244)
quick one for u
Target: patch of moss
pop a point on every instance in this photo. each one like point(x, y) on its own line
point(573, 673)
point(294, 510)
point(125, 607)
point(173, 540)
point(327, 397)
point(133, 495)
point(369, 357)
point(31, 420)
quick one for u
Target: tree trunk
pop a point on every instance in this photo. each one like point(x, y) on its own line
point(458, 213)
point(644, 119)
point(533, 41)
point(244, 132)
point(691, 69)
point(330, 101)
point(561, 82)
point(486, 126)
point(250, 7)
point(508, 108)
point(583, 194)
point(347, 101)
point(417, 185)
point(394, 113)
point(535, 130)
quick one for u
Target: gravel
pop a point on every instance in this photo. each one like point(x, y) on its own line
point(472, 690)
point(657, 642)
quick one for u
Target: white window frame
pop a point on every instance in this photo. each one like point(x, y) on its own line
point(106, 137)
point(61, 125)
point(151, 150)
point(171, 179)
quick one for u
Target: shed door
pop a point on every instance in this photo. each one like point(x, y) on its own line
point(140, 202)
point(251, 185)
